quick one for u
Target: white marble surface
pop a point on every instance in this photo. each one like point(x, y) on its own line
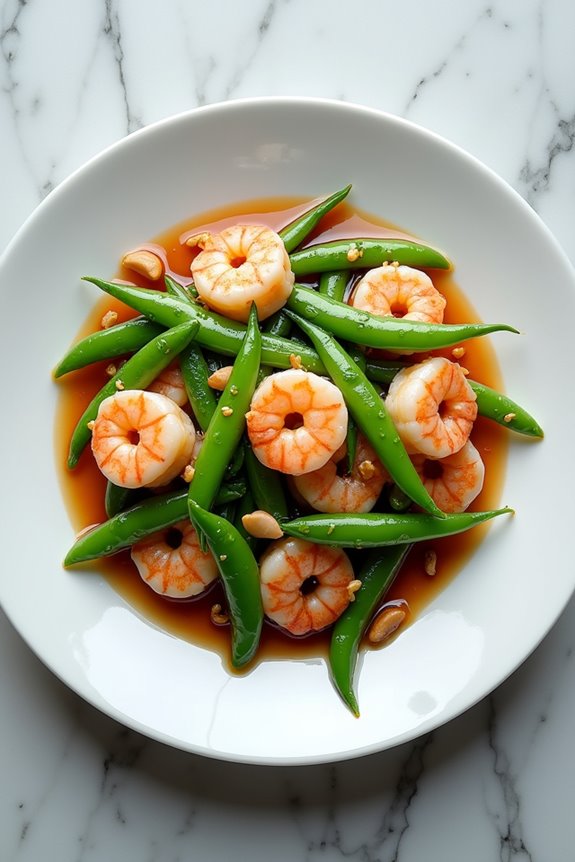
point(497, 783)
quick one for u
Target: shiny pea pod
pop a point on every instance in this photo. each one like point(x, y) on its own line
point(375, 530)
point(490, 403)
point(297, 231)
point(245, 505)
point(368, 411)
point(356, 355)
point(376, 578)
point(216, 332)
point(144, 518)
point(127, 337)
point(387, 333)
point(333, 284)
point(266, 487)
point(228, 422)
point(278, 324)
point(365, 253)
point(195, 373)
point(174, 288)
point(240, 576)
point(137, 373)
point(116, 499)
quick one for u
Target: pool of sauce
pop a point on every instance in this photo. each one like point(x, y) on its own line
point(83, 489)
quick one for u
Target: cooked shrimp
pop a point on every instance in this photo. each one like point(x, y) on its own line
point(358, 491)
point(170, 382)
point(433, 407)
point(453, 482)
point(172, 564)
point(141, 439)
point(296, 421)
point(243, 264)
point(400, 291)
point(304, 586)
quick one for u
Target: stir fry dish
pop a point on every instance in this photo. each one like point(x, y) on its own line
point(287, 421)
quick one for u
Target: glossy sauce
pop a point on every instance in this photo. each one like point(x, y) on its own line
point(84, 488)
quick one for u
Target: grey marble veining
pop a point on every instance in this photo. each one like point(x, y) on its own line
point(495, 785)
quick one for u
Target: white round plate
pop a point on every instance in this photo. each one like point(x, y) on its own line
point(479, 629)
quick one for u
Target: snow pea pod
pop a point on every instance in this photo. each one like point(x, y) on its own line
point(108, 343)
point(375, 530)
point(490, 403)
point(137, 373)
point(365, 253)
point(266, 487)
point(368, 411)
point(144, 518)
point(278, 324)
point(333, 284)
point(295, 232)
point(228, 421)
point(376, 577)
point(195, 372)
point(216, 332)
point(240, 576)
point(244, 507)
point(174, 288)
point(116, 499)
point(504, 411)
point(388, 333)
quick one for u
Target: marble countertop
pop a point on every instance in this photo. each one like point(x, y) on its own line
point(498, 782)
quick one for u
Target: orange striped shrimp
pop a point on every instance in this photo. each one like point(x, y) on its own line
point(296, 421)
point(304, 586)
point(243, 264)
point(172, 563)
point(141, 439)
point(358, 491)
point(433, 407)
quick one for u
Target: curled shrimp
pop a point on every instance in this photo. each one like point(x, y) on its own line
point(296, 421)
point(172, 563)
point(243, 264)
point(170, 382)
point(400, 291)
point(141, 439)
point(433, 407)
point(304, 586)
point(328, 491)
point(453, 482)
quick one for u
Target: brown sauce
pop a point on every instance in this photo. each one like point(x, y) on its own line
point(83, 489)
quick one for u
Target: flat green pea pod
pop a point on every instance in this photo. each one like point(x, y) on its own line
point(504, 411)
point(116, 499)
point(228, 422)
point(387, 333)
point(278, 324)
point(365, 254)
point(333, 284)
point(118, 340)
point(266, 487)
point(376, 578)
point(244, 507)
point(490, 403)
point(368, 411)
point(240, 576)
point(195, 373)
point(174, 288)
point(144, 518)
point(356, 355)
point(137, 373)
point(297, 231)
point(375, 530)
point(216, 332)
